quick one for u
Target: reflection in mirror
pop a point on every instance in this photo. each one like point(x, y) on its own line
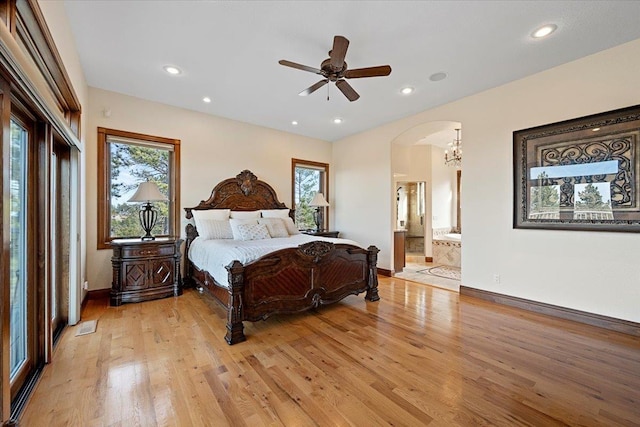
point(592, 201)
point(411, 211)
point(545, 202)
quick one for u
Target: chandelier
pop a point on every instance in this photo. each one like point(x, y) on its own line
point(453, 155)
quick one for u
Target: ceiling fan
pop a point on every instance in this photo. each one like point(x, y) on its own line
point(334, 69)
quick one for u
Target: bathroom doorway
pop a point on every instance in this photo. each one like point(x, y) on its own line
point(420, 169)
point(411, 217)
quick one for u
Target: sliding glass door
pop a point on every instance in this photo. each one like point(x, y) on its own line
point(20, 336)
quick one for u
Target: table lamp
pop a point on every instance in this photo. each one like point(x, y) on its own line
point(146, 193)
point(319, 203)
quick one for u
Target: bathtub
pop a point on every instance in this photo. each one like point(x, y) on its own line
point(447, 249)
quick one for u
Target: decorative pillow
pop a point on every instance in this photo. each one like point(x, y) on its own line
point(275, 213)
point(292, 228)
point(284, 214)
point(215, 229)
point(245, 214)
point(253, 231)
point(235, 222)
point(275, 226)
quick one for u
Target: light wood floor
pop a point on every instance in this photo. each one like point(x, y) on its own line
point(419, 356)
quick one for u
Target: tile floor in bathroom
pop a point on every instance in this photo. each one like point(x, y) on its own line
point(416, 270)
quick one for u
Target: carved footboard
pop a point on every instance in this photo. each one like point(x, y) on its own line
point(298, 279)
point(286, 281)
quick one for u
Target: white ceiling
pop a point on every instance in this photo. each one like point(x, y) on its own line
point(229, 51)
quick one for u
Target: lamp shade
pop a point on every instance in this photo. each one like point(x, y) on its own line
point(147, 192)
point(318, 201)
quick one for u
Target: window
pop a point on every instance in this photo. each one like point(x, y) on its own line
point(24, 245)
point(18, 273)
point(125, 160)
point(309, 178)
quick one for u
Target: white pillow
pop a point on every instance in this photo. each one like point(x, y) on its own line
point(275, 226)
point(292, 228)
point(275, 213)
point(253, 231)
point(284, 214)
point(245, 214)
point(217, 214)
point(215, 229)
point(235, 222)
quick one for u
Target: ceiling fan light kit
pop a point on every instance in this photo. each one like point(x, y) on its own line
point(334, 69)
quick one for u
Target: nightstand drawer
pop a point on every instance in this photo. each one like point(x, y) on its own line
point(144, 252)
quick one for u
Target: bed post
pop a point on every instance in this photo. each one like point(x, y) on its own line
point(191, 232)
point(235, 328)
point(372, 285)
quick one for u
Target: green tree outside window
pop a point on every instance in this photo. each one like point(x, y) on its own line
point(130, 165)
point(309, 178)
point(590, 199)
point(126, 159)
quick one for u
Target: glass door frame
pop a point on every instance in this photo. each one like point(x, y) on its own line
point(30, 254)
point(60, 241)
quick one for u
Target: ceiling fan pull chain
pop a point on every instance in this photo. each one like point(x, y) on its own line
point(328, 92)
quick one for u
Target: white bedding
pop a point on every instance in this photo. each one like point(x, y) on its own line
point(214, 255)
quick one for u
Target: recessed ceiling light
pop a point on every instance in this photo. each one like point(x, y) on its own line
point(206, 99)
point(437, 77)
point(295, 123)
point(407, 90)
point(337, 120)
point(544, 31)
point(172, 70)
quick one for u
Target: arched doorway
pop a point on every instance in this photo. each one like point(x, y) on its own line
point(427, 204)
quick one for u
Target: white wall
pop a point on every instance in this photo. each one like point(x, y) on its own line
point(212, 149)
point(596, 272)
point(364, 193)
point(411, 162)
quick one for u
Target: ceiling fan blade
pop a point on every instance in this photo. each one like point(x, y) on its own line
point(313, 88)
point(347, 90)
point(382, 70)
point(338, 52)
point(299, 66)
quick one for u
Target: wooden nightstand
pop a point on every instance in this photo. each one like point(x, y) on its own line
point(321, 233)
point(145, 270)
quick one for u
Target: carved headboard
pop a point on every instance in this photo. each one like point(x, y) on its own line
point(245, 192)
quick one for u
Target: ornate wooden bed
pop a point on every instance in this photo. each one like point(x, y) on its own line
point(286, 281)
